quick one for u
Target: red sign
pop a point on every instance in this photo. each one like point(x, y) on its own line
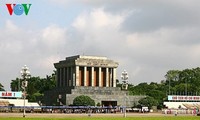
point(10, 94)
point(6, 94)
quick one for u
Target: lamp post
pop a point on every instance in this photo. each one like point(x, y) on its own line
point(169, 88)
point(25, 74)
point(124, 78)
point(186, 86)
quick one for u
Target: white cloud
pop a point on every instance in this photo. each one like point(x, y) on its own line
point(47, 63)
point(97, 19)
point(36, 49)
point(98, 29)
point(53, 36)
point(139, 52)
point(147, 38)
point(10, 26)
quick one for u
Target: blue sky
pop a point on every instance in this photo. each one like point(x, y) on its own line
point(43, 13)
point(146, 37)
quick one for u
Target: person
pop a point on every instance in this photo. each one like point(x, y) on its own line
point(194, 111)
point(176, 112)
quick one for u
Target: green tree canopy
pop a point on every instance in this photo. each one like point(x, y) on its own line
point(1, 87)
point(83, 100)
point(177, 82)
point(148, 102)
point(36, 86)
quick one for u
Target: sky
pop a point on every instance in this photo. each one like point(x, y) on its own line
point(147, 37)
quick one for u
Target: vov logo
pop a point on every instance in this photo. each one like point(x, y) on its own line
point(18, 9)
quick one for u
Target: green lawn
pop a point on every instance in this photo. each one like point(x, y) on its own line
point(110, 118)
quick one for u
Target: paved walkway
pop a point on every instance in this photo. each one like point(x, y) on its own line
point(62, 115)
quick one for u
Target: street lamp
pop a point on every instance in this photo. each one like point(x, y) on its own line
point(124, 78)
point(25, 74)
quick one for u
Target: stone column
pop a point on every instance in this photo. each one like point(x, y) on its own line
point(60, 81)
point(85, 70)
point(92, 76)
point(64, 77)
point(114, 77)
point(73, 76)
point(111, 77)
point(57, 77)
point(67, 76)
point(107, 76)
point(70, 76)
point(74, 79)
point(77, 76)
point(100, 85)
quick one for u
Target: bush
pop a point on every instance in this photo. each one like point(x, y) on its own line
point(83, 100)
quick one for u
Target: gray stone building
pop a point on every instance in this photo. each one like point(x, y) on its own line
point(88, 75)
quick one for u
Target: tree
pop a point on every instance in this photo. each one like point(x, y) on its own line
point(15, 85)
point(148, 102)
point(83, 100)
point(36, 86)
point(159, 96)
point(1, 87)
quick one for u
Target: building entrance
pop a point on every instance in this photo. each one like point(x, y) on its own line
point(109, 103)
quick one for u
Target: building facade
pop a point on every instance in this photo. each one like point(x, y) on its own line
point(88, 75)
point(86, 71)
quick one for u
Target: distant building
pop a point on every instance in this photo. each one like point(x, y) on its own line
point(182, 101)
point(14, 99)
point(88, 75)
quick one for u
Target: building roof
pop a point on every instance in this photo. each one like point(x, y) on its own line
point(82, 60)
point(86, 57)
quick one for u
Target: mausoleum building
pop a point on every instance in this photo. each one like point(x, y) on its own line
point(88, 75)
point(86, 71)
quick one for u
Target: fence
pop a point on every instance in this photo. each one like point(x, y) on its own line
point(180, 111)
